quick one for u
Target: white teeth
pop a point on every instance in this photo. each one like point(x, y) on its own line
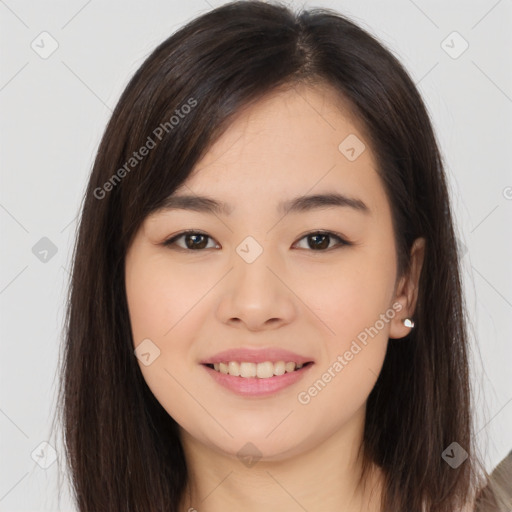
point(234, 368)
point(289, 367)
point(247, 370)
point(265, 370)
point(279, 368)
point(261, 370)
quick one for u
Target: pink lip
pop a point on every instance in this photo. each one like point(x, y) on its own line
point(255, 387)
point(256, 356)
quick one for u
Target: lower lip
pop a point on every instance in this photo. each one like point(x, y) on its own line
point(255, 387)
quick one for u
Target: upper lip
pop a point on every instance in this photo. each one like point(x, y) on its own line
point(251, 355)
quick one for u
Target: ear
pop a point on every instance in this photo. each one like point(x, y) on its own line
point(407, 291)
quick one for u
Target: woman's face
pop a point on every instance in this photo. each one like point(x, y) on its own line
point(258, 279)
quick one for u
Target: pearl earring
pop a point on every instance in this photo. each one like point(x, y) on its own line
point(408, 322)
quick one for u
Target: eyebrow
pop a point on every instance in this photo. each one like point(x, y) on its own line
point(206, 204)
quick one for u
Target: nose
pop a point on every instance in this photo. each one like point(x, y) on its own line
point(255, 295)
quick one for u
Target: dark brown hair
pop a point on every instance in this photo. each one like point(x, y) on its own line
point(122, 447)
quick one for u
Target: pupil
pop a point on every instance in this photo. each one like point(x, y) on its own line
point(323, 245)
point(194, 245)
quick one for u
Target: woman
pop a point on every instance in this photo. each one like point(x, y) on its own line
point(266, 309)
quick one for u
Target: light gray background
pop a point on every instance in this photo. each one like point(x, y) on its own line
point(54, 110)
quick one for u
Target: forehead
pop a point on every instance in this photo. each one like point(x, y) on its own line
point(289, 121)
point(292, 141)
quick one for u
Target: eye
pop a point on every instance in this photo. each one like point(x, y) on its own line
point(320, 240)
point(194, 240)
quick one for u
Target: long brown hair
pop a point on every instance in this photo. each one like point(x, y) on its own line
point(122, 447)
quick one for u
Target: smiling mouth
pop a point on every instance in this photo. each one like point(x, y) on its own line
point(264, 370)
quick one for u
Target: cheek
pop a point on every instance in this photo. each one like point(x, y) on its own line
point(354, 305)
point(161, 308)
point(158, 297)
point(351, 296)
point(353, 300)
point(167, 306)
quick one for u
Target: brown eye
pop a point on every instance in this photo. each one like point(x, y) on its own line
point(193, 240)
point(321, 240)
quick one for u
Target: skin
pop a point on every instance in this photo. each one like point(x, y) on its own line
point(314, 302)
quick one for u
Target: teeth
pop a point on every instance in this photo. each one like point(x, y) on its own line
point(265, 370)
point(248, 370)
point(279, 368)
point(234, 368)
point(261, 370)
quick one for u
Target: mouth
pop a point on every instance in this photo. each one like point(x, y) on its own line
point(253, 380)
point(253, 373)
point(262, 370)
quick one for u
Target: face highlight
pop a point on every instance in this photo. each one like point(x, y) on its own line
point(289, 247)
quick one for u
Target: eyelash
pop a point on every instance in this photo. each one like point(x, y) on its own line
point(171, 241)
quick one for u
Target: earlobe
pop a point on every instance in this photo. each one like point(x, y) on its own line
point(407, 293)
